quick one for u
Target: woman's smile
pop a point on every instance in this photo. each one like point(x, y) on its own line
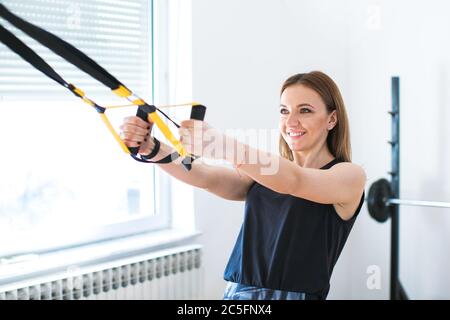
point(296, 135)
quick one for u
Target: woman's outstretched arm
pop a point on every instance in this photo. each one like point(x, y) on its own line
point(341, 184)
point(221, 181)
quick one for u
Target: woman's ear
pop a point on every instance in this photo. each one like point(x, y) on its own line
point(332, 120)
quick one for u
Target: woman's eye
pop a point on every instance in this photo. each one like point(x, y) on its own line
point(283, 111)
point(305, 110)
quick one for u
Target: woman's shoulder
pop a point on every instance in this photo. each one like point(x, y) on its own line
point(350, 169)
point(349, 166)
point(352, 173)
point(354, 178)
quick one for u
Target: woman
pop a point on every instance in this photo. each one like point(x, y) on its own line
point(297, 218)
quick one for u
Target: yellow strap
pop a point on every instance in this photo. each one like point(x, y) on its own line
point(179, 105)
point(159, 107)
point(121, 91)
point(114, 133)
point(88, 101)
point(79, 91)
point(138, 102)
point(153, 117)
point(120, 106)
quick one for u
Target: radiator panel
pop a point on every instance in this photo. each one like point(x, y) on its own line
point(171, 274)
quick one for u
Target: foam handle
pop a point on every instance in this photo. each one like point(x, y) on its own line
point(197, 113)
point(142, 112)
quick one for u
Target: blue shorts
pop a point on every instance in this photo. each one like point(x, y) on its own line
point(237, 291)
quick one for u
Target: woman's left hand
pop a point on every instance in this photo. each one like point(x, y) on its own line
point(201, 139)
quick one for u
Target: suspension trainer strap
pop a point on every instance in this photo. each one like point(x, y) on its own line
point(63, 49)
point(16, 45)
point(76, 57)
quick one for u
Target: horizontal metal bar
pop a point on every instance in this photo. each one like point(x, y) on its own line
point(419, 203)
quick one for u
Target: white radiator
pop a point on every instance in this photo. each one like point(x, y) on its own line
point(170, 274)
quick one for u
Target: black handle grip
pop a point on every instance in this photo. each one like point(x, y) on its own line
point(197, 113)
point(142, 112)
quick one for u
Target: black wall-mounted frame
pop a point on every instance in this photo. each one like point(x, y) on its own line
point(397, 291)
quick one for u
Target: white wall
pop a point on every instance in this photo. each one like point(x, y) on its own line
point(243, 50)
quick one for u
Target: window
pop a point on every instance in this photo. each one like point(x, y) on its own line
point(63, 179)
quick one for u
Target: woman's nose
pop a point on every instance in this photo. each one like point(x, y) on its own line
point(292, 120)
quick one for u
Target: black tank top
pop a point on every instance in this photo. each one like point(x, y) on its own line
point(288, 243)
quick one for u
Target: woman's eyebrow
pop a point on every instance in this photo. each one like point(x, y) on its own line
point(300, 105)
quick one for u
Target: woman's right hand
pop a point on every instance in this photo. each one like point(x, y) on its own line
point(135, 132)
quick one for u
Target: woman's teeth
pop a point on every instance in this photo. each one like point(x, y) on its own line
point(296, 134)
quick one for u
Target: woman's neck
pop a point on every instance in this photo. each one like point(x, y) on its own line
point(313, 158)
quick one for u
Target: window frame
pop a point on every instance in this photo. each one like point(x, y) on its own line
point(162, 196)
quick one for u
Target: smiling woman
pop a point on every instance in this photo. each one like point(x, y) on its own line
point(298, 216)
point(319, 103)
point(298, 220)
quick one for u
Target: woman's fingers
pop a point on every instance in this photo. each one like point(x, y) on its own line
point(137, 121)
point(131, 144)
point(134, 131)
point(185, 135)
point(124, 135)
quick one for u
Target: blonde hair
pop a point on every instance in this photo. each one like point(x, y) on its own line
point(338, 139)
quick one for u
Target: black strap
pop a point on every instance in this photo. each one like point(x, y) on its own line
point(167, 159)
point(62, 48)
point(155, 150)
point(65, 50)
point(16, 45)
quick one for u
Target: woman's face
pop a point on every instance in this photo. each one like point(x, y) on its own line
point(304, 120)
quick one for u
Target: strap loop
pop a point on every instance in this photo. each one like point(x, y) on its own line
point(154, 152)
point(167, 159)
